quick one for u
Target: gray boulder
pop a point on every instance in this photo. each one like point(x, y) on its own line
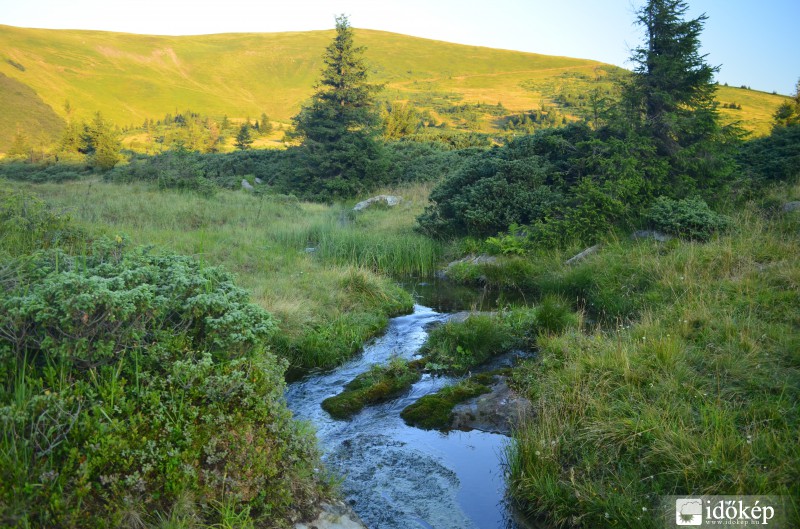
point(792, 206)
point(389, 200)
point(334, 515)
point(651, 234)
point(246, 185)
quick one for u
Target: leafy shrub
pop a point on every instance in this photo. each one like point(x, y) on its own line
point(688, 217)
point(133, 380)
point(43, 172)
point(27, 224)
point(774, 158)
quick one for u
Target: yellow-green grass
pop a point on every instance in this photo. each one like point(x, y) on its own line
point(757, 109)
point(327, 305)
point(132, 77)
point(698, 395)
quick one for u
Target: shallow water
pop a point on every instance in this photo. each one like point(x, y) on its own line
point(396, 476)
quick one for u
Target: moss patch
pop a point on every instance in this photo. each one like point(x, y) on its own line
point(435, 411)
point(376, 385)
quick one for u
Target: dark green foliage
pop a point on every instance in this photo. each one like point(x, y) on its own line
point(565, 184)
point(27, 224)
point(376, 385)
point(340, 155)
point(672, 91)
point(411, 161)
point(774, 158)
point(435, 411)
point(100, 144)
point(244, 139)
point(178, 168)
point(688, 217)
point(43, 172)
point(133, 381)
point(788, 113)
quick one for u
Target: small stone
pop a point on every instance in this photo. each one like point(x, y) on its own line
point(246, 185)
point(791, 206)
point(584, 254)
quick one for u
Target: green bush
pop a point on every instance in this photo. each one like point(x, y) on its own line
point(27, 224)
point(133, 380)
point(688, 217)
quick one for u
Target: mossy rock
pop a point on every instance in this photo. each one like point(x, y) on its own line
point(435, 411)
point(376, 385)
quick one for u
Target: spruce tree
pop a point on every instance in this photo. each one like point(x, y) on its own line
point(670, 101)
point(243, 138)
point(100, 143)
point(339, 124)
point(672, 90)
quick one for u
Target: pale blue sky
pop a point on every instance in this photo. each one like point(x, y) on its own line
point(755, 42)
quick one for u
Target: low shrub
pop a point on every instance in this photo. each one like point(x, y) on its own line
point(132, 381)
point(687, 217)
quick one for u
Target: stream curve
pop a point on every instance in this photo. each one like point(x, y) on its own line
point(396, 476)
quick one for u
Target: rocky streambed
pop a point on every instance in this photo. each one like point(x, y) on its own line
point(397, 476)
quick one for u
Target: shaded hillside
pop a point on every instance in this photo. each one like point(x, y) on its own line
point(23, 110)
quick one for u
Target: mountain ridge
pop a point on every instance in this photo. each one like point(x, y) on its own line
point(131, 77)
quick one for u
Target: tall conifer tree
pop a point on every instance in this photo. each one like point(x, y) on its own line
point(339, 124)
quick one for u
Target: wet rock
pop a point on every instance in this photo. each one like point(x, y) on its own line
point(389, 200)
point(334, 515)
point(584, 254)
point(464, 315)
point(405, 488)
point(651, 234)
point(498, 411)
point(791, 206)
point(470, 259)
point(246, 185)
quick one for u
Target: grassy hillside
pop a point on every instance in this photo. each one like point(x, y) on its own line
point(25, 111)
point(133, 77)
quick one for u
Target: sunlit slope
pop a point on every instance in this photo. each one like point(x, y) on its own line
point(131, 77)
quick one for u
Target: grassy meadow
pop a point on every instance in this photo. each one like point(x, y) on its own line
point(695, 392)
point(327, 301)
point(661, 368)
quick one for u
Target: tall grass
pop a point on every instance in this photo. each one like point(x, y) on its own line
point(264, 241)
point(697, 395)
